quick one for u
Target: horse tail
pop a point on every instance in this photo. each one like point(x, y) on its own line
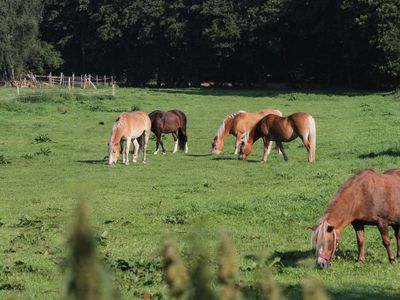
point(312, 138)
point(182, 137)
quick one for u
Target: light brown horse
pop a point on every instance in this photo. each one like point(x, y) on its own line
point(368, 198)
point(237, 124)
point(128, 127)
point(281, 129)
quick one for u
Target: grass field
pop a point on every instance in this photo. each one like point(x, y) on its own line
point(52, 155)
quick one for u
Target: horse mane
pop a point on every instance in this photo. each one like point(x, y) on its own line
point(221, 128)
point(318, 236)
point(119, 122)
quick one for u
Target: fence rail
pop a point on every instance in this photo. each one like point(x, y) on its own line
point(74, 81)
point(70, 81)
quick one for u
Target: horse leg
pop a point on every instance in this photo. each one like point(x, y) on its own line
point(397, 235)
point(278, 151)
point(135, 153)
point(280, 145)
point(383, 229)
point(176, 142)
point(146, 140)
point(126, 151)
point(122, 150)
point(237, 144)
point(359, 228)
point(307, 144)
point(267, 149)
point(158, 138)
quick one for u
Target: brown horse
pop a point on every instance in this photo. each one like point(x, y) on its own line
point(172, 121)
point(128, 127)
point(237, 124)
point(281, 129)
point(368, 198)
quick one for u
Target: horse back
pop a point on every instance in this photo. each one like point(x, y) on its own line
point(181, 116)
point(371, 197)
point(245, 121)
point(135, 122)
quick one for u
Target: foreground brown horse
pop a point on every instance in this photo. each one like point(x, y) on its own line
point(368, 198)
point(281, 129)
point(128, 127)
point(237, 124)
point(172, 121)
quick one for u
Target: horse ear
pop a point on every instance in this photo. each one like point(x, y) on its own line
point(312, 227)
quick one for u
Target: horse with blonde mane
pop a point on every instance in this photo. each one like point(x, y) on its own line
point(368, 198)
point(128, 127)
point(237, 124)
point(281, 129)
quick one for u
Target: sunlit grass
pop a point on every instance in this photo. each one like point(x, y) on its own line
point(266, 207)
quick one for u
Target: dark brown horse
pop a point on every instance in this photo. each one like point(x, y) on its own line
point(368, 198)
point(281, 129)
point(172, 121)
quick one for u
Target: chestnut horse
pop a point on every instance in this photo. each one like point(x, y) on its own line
point(281, 129)
point(368, 198)
point(172, 121)
point(128, 127)
point(237, 124)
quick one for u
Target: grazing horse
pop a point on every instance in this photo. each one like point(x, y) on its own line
point(172, 121)
point(128, 127)
point(237, 124)
point(281, 129)
point(368, 198)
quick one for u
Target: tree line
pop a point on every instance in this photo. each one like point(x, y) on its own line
point(351, 43)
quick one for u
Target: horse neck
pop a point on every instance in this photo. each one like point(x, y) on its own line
point(116, 135)
point(340, 211)
point(223, 130)
point(255, 133)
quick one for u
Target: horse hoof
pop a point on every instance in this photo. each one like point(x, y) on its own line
point(164, 153)
point(155, 153)
point(127, 164)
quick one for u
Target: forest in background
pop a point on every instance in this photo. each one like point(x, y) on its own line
point(316, 43)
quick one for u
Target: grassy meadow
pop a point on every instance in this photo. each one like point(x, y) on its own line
point(52, 154)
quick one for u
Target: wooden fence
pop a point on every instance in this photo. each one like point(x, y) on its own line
point(72, 81)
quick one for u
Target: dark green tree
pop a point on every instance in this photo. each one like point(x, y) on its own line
point(20, 47)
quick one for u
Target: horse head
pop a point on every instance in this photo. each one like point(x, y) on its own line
point(245, 147)
point(326, 242)
point(113, 153)
point(217, 145)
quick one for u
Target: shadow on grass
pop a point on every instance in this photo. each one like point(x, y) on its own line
point(348, 293)
point(254, 93)
point(224, 158)
point(389, 152)
point(92, 161)
point(199, 155)
point(293, 258)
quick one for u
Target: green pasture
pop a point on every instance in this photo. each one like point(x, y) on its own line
point(52, 154)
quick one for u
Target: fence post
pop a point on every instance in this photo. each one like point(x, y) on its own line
point(81, 81)
point(105, 80)
point(73, 80)
point(97, 79)
point(112, 79)
point(61, 79)
point(69, 84)
point(17, 89)
point(50, 81)
point(113, 89)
